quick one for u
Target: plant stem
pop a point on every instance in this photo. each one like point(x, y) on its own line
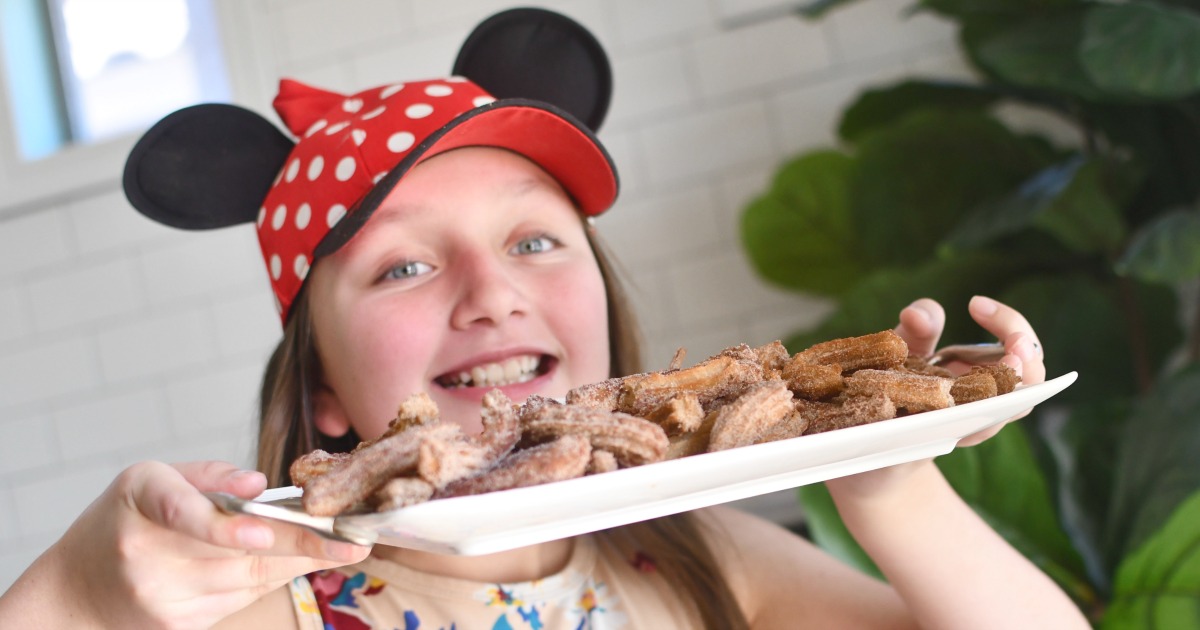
point(1138, 344)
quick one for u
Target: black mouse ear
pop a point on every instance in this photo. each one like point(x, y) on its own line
point(206, 166)
point(541, 55)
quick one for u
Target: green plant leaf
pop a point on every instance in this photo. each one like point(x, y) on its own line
point(1084, 326)
point(970, 8)
point(829, 532)
point(1156, 462)
point(1002, 482)
point(1082, 443)
point(1166, 251)
point(1142, 49)
point(817, 8)
point(799, 234)
point(874, 303)
point(1036, 52)
point(916, 178)
point(879, 107)
point(1068, 200)
point(1158, 586)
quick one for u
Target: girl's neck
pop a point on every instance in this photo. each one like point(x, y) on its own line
point(517, 565)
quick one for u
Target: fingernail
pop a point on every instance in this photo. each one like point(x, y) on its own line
point(920, 309)
point(254, 537)
point(984, 305)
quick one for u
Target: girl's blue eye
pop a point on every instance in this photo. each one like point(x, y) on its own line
point(405, 270)
point(535, 245)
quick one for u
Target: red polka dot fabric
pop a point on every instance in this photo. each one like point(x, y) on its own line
point(346, 144)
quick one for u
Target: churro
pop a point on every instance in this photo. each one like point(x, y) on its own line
point(369, 468)
point(852, 412)
point(314, 464)
point(563, 458)
point(880, 351)
point(973, 386)
point(680, 415)
point(401, 492)
point(745, 420)
point(910, 392)
point(813, 381)
point(708, 381)
point(632, 440)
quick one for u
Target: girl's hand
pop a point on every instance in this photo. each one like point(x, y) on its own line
point(154, 551)
point(921, 325)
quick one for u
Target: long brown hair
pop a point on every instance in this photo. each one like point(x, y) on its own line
point(677, 545)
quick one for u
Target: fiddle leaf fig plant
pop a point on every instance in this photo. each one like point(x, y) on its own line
point(930, 193)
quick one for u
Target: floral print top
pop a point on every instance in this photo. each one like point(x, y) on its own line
point(597, 590)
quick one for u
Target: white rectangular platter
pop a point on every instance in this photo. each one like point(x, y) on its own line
point(500, 521)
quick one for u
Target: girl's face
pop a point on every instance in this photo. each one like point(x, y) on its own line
point(475, 273)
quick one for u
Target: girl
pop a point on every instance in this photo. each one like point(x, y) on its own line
point(414, 234)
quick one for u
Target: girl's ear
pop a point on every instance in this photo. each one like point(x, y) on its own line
point(328, 414)
point(541, 55)
point(206, 166)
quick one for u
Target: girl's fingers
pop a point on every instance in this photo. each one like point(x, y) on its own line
point(1020, 340)
point(163, 496)
point(223, 477)
point(921, 325)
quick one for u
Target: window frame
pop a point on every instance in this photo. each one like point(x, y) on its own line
point(77, 170)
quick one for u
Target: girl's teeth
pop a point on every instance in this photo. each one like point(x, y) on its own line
point(514, 370)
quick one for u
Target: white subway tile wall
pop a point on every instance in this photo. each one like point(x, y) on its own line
point(122, 340)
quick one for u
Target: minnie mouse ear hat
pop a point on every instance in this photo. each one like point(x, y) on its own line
point(527, 80)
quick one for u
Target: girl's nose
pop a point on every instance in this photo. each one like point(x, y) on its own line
point(488, 292)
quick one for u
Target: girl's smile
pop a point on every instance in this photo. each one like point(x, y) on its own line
point(475, 274)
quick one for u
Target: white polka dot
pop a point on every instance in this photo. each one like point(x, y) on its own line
point(400, 142)
point(456, 80)
point(276, 266)
point(390, 90)
point(480, 101)
point(293, 168)
point(380, 176)
point(315, 167)
point(419, 110)
point(317, 126)
point(345, 169)
point(335, 214)
point(439, 90)
point(352, 105)
point(336, 128)
point(303, 214)
point(262, 216)
point(359, 136)
point(373, 113)
point(300, 266)
point(279, 217)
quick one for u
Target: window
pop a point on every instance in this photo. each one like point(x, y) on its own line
point(85, 71)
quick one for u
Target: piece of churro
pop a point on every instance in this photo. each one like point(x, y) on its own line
point(602, 461)
point(813, 381)
point(401, 492)
point(912, 393)
point(708, 380)
point(1006, 377)
point(921, 365)
point(851, 412)
point(602, 395)
point(314, 464)
point(744, 420)
point(634, 441)
point(680, 415)
point(677, 359)
point(501, 425)
point(880, 351)
point(566, 457)
point(352, 482)
point(441, 461)
point(977, 385)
